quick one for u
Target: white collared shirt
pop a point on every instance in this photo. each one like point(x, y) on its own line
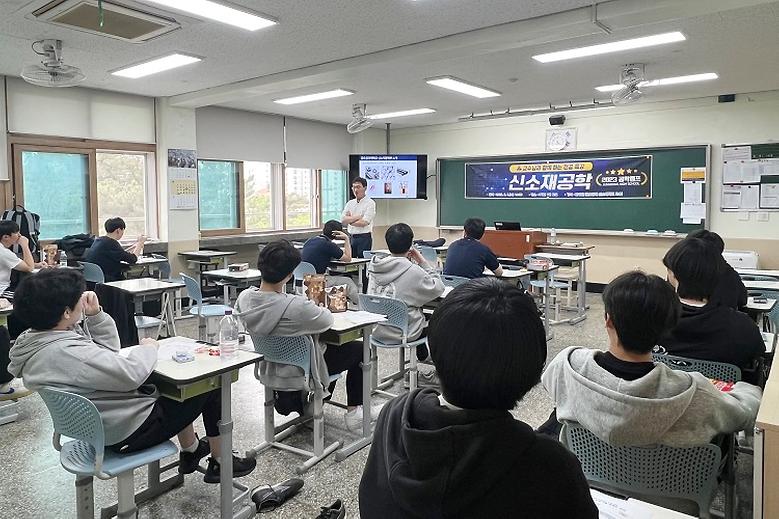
point(365, 209)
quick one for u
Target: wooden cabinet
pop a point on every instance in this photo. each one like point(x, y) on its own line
point(513, 244)
point(766, 459)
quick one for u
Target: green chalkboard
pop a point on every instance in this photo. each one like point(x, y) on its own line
point(661, 212)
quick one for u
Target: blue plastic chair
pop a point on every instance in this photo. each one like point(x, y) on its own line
point(204, 312)
point(430, 255)
point(293, 351)
point(755, 277)
point(92, 272)
point(453, 281)
point(301, 271)
point(85, 456)
point(710, 369)
point(396, 312)
point(773, 316)
point(366, 254)
point(656, 473)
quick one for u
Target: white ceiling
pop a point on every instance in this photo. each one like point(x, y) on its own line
point(384, 49)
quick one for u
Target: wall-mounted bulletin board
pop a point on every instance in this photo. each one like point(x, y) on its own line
point(750, 178)
point(640, 189)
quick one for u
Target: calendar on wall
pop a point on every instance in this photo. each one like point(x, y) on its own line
point(182, 179)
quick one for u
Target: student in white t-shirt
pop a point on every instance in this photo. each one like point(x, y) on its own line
point(358, 215)
point(10, 236)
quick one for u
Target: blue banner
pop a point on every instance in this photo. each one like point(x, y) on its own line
point(611, 177)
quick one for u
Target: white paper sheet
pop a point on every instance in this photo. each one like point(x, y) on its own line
point(693, 192)
point(769, 196)
point(361, 317)
point(731, 172)
point(167, 349)
point(610, 507)
point(750, 197)
point(737, 153)
point(693, 213)
point(731, 197)
point(750, 171)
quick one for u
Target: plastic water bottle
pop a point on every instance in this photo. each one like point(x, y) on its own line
point(553, 236)
point(228, 335)
point(63, 259)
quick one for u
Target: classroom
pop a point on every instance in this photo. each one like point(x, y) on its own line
point(402, 258)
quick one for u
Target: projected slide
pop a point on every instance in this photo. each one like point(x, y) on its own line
point(390, 176)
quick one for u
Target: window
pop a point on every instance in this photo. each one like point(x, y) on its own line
point(258, 196)
point(121, 190)
point(56, 186)
point(298, 198)
point(218, 194)
point(333, 190)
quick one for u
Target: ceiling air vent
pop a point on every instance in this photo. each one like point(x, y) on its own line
point(120, 22)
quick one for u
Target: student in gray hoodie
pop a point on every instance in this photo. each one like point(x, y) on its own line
point(59, 353)
point(623, 397)
point(267, 310)
point(404, 275)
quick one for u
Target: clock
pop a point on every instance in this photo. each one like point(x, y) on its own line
point(561, 139)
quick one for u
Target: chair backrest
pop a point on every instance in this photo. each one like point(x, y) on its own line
point(367, 254)
point(193, 289)
point(164, 268)
point(429, 254)
point(395, 310)
point(295, 351)
point(773, 315)
point(717, 370)
point(76, 417)
point(672, 472)
point(755, 277)
point(92, 272)
point(301, 270)
point(453, 281)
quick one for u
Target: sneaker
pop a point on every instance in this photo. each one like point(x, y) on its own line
point(13, 390)
point(189, 461)
point(353, 418)
point(424, 379)
point(241, 467)
point(335, 511)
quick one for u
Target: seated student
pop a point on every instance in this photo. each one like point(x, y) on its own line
point(467, 257)
point(110, 255)
point(11, 388)
point(626, 399)
point(730, 290)
point(320, 251)
point(404, 275)
point(462, 453)
point(267, 310)
point(707, 331)
point(59, 353)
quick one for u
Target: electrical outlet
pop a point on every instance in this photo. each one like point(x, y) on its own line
point(743, 216)
point(762, 217)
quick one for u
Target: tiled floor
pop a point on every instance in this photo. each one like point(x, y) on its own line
point(35, 486)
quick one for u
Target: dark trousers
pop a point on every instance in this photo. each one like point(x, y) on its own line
point(347, 357)
point(361, 243)
point(5, 348)
point(169, 417)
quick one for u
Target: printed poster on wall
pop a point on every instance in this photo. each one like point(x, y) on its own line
point(602, 178)
point(182, 179)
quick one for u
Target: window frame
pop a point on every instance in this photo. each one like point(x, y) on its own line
point(19, 143)
point(241, 229)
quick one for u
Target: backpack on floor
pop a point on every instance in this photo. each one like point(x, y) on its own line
point(29, 225)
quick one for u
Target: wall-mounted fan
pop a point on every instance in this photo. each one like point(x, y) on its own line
point(51, 72)
point(631, 77)
point(359, 121)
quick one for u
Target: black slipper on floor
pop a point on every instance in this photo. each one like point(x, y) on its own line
point(270, 497)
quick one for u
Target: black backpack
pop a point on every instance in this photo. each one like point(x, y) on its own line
point(29, 225)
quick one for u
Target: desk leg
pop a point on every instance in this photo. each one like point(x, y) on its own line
point(226, 438)
point(360, 273)
point(546, 306)
point(581, 293)
point(367, 434)
point(170, 314)
point(227, 294)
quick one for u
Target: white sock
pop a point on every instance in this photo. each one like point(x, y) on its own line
point(191, 448)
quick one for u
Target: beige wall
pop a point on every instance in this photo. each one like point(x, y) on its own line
point(751, 119)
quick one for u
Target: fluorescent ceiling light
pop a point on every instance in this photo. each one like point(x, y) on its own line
point(461, 86)
point(339, 92)
point(615, 46)
point(402, 113)
point(219, 12)
point(676, 80)
point(156, 65)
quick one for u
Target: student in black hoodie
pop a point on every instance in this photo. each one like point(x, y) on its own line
point(730, 290)
point(706, 330)
point(461, 453)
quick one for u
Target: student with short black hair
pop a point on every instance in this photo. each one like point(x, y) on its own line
point(623, 397)
point(706, 330)
point(730, 290)
point(110, 255)
point(268, 310)
point(321, 250)
point(59, 351)
point(404, 274)
point(461, 453)
point(468, 257)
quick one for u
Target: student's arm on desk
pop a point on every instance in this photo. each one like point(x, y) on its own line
point(304, 319)
point(729, 411)
point(430, 286)
point(107, 370)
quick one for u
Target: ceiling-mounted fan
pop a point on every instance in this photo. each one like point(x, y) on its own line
point(631, 77)
point(51, 72)
point(359, 120)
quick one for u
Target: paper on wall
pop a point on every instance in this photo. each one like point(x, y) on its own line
point(693, 174)
point(737, 153)
point(750, 197)
point(769, 196)
point(731, 173)
point(692, 213)
point(731, 197)
point(750, 171)
point(693, 192)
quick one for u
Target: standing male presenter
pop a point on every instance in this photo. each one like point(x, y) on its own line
point(358, 215)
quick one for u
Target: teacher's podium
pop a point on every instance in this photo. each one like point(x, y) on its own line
point(513, 244)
